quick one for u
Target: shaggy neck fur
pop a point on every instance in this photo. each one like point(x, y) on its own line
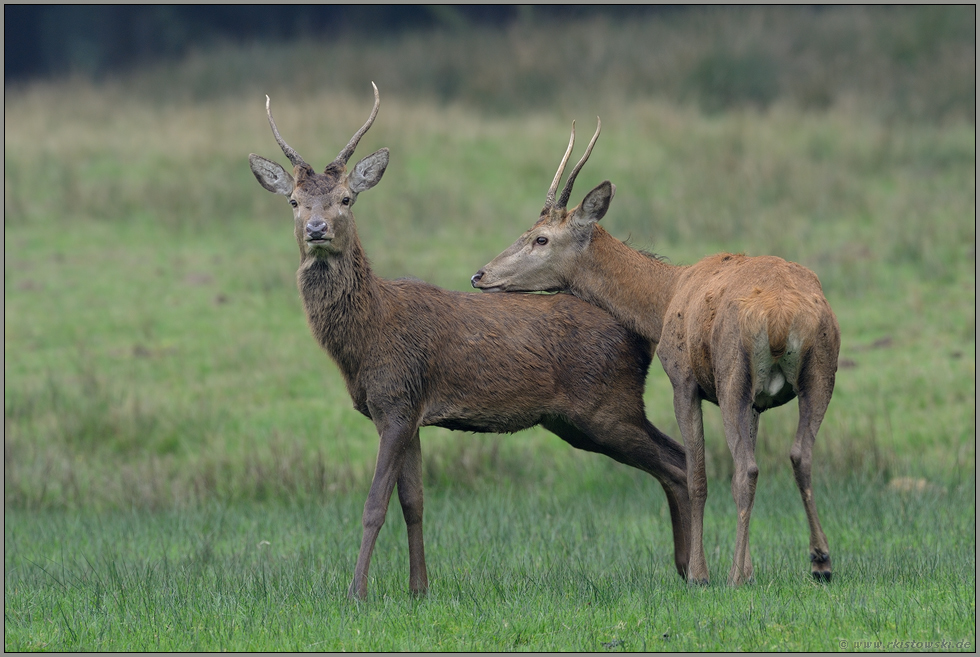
point(340, 296)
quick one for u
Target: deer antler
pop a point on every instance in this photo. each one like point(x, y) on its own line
point(293, 156)
point(550, 199)
point(345, 154)
point(565, 193)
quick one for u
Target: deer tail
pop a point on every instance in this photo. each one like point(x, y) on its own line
point(782, 317)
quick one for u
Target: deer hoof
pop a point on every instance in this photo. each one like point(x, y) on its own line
point(354, 595)
point(820, 567)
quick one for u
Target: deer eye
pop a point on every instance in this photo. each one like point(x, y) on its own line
point(293, 203)
point(346, 200)
point(541, 241)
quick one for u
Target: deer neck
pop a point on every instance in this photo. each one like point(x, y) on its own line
point(633, 287)
point(340, 297)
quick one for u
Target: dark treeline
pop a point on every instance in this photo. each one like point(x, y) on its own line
point(50, 41)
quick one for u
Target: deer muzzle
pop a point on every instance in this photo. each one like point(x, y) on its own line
point(476, 281)
point(317, 231)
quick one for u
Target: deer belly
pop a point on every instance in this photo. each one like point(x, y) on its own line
point(458, 417)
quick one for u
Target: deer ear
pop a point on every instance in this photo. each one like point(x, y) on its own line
point(367, 173)
point(594, 206)
point(271, 175)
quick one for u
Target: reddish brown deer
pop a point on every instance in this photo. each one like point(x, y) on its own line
point(745, 333)
point(415, 355)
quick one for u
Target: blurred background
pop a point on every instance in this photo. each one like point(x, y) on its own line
point(907, 61)
point(155, 347)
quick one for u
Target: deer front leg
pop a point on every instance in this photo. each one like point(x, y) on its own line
point(687, 409)
point(411, 498)
point(390, 458)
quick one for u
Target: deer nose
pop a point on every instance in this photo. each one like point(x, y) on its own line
point(316, 229)
point(476, 278)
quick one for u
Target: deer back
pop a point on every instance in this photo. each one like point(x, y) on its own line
point(498, 362)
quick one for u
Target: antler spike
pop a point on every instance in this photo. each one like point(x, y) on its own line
point(550, 199)
point(345, 154)
point(567, 191)
point(293, 156)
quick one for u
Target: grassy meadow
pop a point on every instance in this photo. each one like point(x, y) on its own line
point(183, 469)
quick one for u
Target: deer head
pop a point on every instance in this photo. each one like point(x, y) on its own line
point(543, 258)
point(322, 202)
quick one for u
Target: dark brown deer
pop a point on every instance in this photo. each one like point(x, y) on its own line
point(415, 355)
point(745, 333)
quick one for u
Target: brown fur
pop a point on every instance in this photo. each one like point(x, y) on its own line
point(746, 333)
point(415, 355)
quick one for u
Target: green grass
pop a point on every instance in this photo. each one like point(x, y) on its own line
point(515, 568)
point(166, 410)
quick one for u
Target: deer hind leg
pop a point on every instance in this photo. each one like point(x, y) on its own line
point(687, 409)
point(668, 463)
point(642, 447)
point(410, 496)
point(741, 428)
point(386, 472)
point(813, 403)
